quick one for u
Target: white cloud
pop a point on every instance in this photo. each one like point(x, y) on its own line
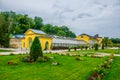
point(88, 16)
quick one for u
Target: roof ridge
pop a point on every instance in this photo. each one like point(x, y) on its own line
point(37, 31)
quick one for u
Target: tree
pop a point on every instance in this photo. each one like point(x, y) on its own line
point(4, 35)
point(105, 41)
point(96, 47)
point(102, 46)
point(47, 28)
point(38, 23)
point(115, 40)
point(24, 23)
point(61, 33)
point(36, 50)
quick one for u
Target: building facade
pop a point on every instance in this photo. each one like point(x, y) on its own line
point(49, 42)
point(91, 40)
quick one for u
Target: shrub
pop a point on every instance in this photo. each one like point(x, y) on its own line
point(12, 62)
point(40, 59)
point(85, 55)
point(12, 54)
point(102, 46)
point(69, 49)
point(75, 48)
point(86, 47)
point(96, 47)
point(46, 58)
point(81, 47)
point(36, 50)
point(55, 63)
point(27, 59)
point(79, 59)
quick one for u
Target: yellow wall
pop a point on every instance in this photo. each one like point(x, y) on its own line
point(43, 42)
point(86, 38)
point(83, 37)
point(99, 40)
point(29, 35)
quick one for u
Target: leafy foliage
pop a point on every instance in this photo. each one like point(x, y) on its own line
point(12, 23)
point(96, 47)
point(102, 46)
point(36, 50)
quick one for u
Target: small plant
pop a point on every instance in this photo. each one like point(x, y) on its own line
point(55, 63)
point(75, 48)
point(40, 59)
point(86, 47)
point(69, 49)
point(78, 58)
point(12, 54)
point(111, 56)
point(12, 62)
point(46, 58)
point(81, 47)
point(27, 59)
point(85, 55)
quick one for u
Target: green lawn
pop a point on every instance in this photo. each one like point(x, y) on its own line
point(114, 72)
point(111, 51)
point(2, 50)
point(69, 69)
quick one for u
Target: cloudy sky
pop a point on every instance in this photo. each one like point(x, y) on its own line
point(81, 16)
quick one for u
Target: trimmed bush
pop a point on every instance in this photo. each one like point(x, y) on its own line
point(69, 49)
point(102, 46)
point(96, 47)
point(27, 59)
point(75, 48)
point(36, 50)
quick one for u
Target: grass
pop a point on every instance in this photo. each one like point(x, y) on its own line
point(2, 50)
point(114, 72)
point(111, 51)
point(69, 68)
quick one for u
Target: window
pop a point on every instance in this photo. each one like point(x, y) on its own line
point(81, 36)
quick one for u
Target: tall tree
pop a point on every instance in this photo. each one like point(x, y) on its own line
point(61, 33)
point(38, 23)
point(105, 41)
point(4, 35)
point(47, 28)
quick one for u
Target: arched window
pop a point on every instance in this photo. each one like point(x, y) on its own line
point(29, 42)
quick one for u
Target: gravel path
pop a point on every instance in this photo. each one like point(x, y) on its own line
point(20, 51)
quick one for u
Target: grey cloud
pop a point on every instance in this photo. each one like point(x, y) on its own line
point(88, 16)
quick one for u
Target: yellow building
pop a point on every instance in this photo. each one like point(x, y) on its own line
point(91, 40)
point(53, 42)
point(30, 34)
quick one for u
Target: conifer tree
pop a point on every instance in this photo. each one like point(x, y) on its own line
point(102, 46)
point(36, 50)
point(96, 47)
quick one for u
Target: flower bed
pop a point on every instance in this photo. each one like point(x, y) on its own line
point(100, 71)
